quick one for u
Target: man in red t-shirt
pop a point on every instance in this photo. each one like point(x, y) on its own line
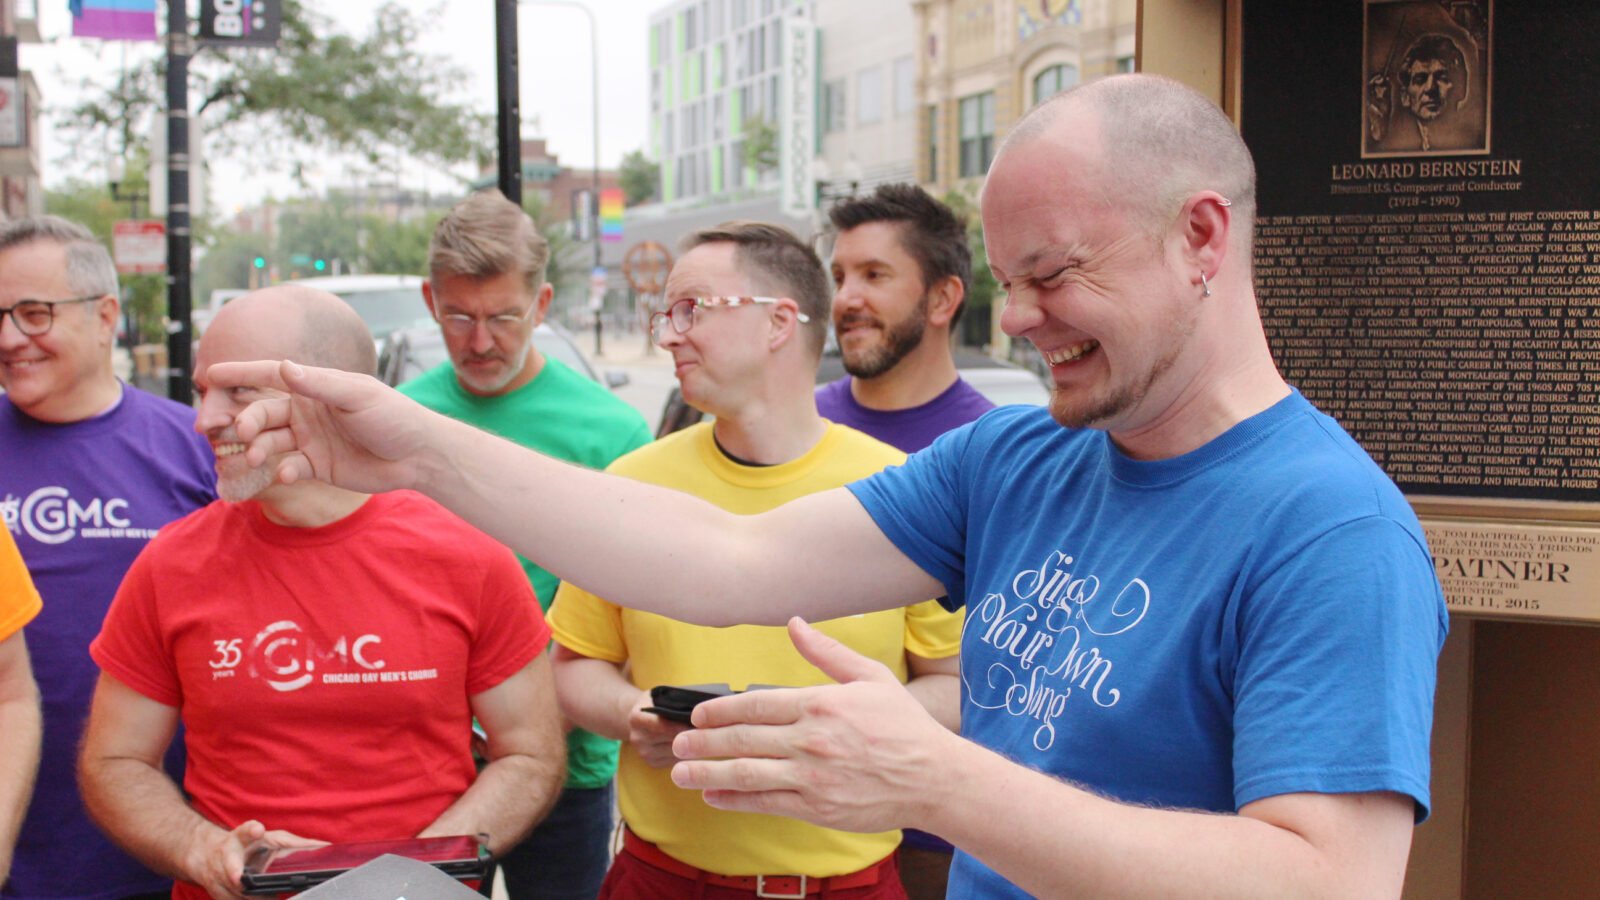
point(325, 651)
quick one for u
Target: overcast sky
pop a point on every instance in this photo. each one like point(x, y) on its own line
point(555, 82)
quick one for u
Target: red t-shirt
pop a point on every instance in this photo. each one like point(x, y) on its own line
point(323, 674)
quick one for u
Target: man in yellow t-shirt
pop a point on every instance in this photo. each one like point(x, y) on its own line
point(746, 314)
point(19, 698)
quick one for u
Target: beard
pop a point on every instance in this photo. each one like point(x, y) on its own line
point(1074, 411)
point(239, 486)
point(898, 340)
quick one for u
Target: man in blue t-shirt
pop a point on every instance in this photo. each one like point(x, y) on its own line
point(901, 268)
point(1202, 624)
point(89, 470)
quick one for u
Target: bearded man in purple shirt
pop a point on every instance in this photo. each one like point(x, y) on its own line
point(92, 468)
point(901, 268)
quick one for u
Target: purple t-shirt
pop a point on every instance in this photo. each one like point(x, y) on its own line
point(909, 430)
point(81, 500)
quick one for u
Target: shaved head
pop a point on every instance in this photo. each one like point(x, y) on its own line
point(307, 325)
point(1159, 142)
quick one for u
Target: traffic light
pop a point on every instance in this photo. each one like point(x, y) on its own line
point(261, 262)
point(320, 265)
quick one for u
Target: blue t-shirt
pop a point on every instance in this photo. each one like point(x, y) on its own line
point(1259, 616)
point(907, 430)
point(82, 499)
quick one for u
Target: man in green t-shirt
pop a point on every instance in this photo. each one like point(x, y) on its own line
point(486, 288)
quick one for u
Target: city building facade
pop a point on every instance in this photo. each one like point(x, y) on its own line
point(21, 192)
point(982, 64)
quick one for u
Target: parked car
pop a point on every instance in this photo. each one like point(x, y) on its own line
point(1003, 383)
point(405, 353)
point(384, 302)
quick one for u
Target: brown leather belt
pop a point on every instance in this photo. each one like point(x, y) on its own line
point(793, 887)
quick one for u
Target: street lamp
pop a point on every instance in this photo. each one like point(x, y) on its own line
point(594, 197)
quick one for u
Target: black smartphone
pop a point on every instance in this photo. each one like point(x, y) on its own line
point(676, 703)
point(279, 870)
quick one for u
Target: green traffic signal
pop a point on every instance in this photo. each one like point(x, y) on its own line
point(261, 262)
point(321, 265)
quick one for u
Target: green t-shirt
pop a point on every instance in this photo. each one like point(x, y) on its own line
point(559, 413)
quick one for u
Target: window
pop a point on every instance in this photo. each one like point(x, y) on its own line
point(933, 143)
point(905, 86)
point(1053, 81)
point(977, 134)
point(691, 34)
point(1124, 64)
point(869, 95)
point(833, 108)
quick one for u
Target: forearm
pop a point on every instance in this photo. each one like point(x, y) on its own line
point(940, 695)
point(594, 694)
point(141, 809)
point(1053, 839)
point(510, 796)
point(20, 732)
point(560, 513)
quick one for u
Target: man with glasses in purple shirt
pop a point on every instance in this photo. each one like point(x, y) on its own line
point(92, 468)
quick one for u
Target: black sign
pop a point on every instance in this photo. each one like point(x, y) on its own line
point(1428, 241)
point(8, 56)
point(240, 23)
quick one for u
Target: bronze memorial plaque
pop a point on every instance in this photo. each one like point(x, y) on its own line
point(1428, 265)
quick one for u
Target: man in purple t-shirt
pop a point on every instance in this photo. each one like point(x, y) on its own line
point(91, 470)
point(901, 267)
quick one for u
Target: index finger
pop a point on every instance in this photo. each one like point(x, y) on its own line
point(769, 706)
point(261, 373)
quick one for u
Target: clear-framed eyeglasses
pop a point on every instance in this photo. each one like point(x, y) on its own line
point(34, 317)
point(682, 314)
point(502, 324)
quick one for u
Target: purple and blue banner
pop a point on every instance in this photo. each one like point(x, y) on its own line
point(114, 20)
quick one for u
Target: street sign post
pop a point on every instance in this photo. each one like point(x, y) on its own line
point(139, 246)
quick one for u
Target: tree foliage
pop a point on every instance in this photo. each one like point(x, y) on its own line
point(640, 177)
point(318, 91)
point(760, 144)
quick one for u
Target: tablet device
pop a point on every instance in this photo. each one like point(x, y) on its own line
point(278, 870)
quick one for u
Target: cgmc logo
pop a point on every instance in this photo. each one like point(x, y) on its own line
point(49, 515)
point(287, 659)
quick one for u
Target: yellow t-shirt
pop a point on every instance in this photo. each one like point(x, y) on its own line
point(660, 650)
point(19, 600)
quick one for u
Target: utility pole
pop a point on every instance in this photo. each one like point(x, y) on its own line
point(179, 48)
point(508, 126)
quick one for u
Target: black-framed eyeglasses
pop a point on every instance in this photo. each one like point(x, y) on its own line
point(682, 313)
point(504, 324)
point(34, 317)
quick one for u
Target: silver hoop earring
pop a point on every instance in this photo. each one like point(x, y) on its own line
point(1205, 288)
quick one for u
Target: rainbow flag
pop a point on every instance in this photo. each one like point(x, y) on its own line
point(114, 20)
point(611, 204)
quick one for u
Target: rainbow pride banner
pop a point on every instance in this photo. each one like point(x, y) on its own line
point(611, 204)
point(114, 20)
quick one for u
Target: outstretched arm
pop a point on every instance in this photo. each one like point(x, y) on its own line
point(19, 742)
point(527, 761)
point(635, 544)
point(864, 756)
point(139, 807)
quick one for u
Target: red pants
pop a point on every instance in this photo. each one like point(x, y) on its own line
point(632, 878)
